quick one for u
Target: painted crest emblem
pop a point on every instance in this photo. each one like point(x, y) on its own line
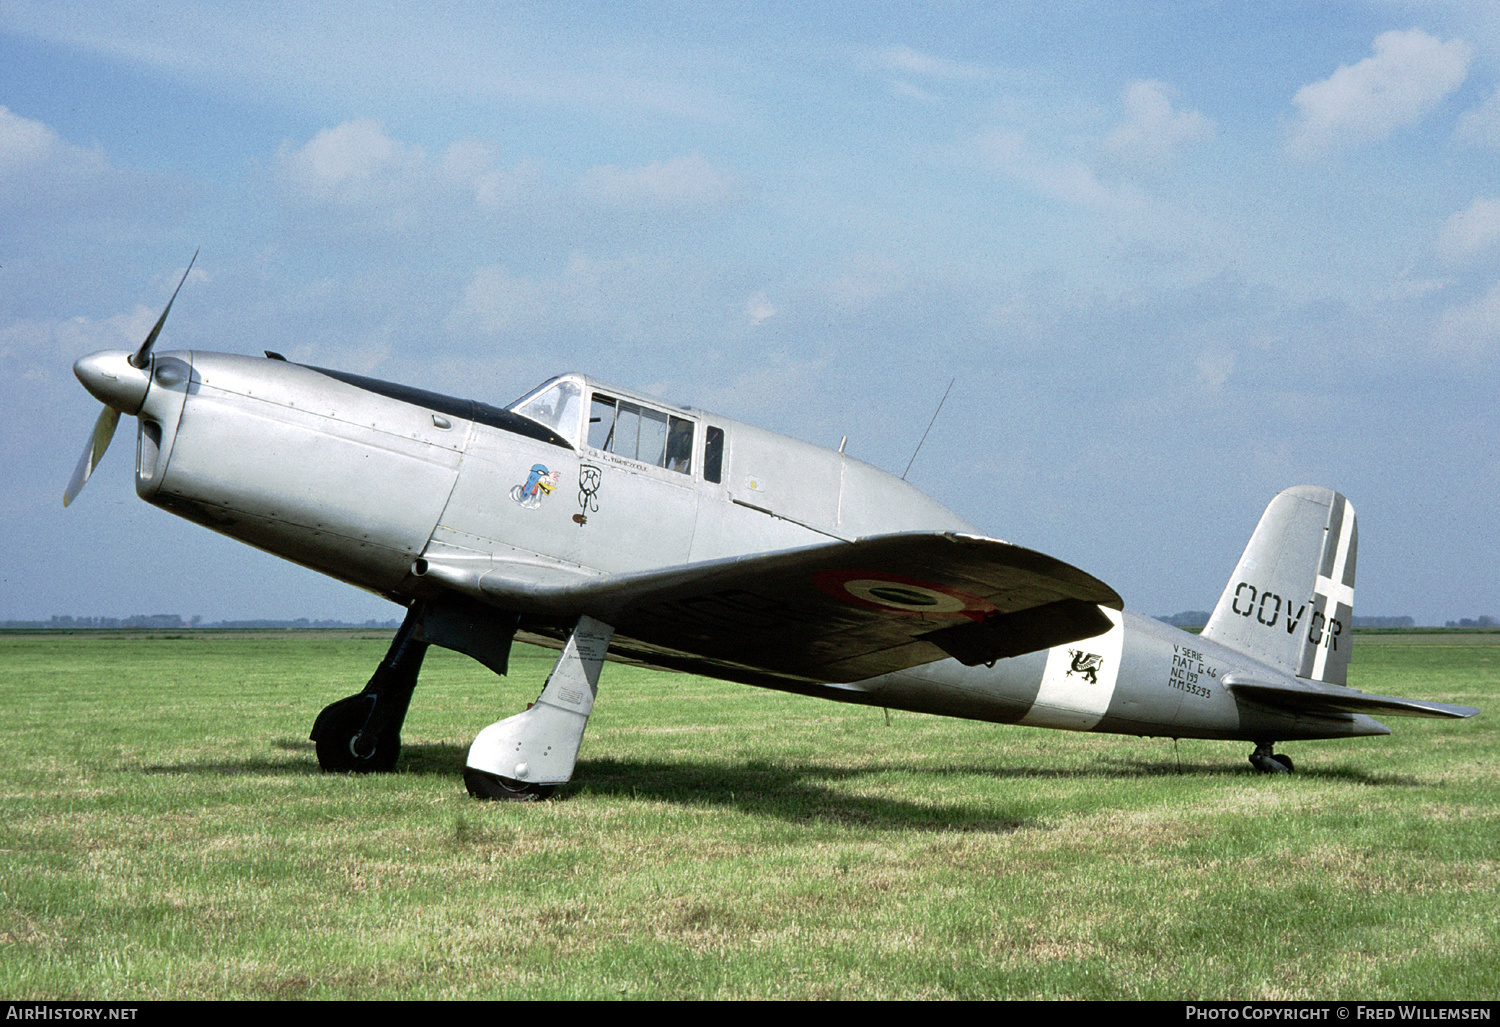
point(589, 478)
point(539, 485)
point(1086, 664)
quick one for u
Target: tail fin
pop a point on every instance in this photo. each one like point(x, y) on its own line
point(1290, 601)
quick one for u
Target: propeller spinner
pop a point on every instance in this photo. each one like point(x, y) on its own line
point(119, 380)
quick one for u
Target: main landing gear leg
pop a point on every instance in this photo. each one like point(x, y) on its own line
point(362, 733)
point(525, 757)
point(1268, 762)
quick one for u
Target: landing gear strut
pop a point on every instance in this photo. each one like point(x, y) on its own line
point(362, 733)
point(525, 757)
point(1268, 762)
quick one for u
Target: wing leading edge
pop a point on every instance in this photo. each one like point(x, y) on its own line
point(839, 612)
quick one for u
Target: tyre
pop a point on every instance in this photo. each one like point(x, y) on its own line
point(334, 735)
point(492, 786)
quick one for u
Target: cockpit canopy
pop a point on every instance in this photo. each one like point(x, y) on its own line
point(556, 403)
point(616, 424)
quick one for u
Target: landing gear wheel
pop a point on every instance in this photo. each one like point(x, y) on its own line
point(335, 732)
point(1268, 762)
point(492, 786)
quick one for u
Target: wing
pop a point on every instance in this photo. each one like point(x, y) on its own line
point(839, 612)
point(1325, 700)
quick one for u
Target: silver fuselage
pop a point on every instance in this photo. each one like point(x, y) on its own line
point(405, 493)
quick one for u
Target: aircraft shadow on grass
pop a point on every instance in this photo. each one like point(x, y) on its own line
point(795, 791)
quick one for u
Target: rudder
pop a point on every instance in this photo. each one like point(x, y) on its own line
point(1290, 601)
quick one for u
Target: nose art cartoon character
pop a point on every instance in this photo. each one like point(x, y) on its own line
point(539, 485)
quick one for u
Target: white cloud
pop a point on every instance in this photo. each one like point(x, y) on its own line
point(25, 142)
point(471, 165)
point(1152, 131)
point(776, 383)
point(867, 277)
point(589, 292)
point(1214, 369)
point(682, 182)
point(1365, 103)
point(1405, 288)
point(369, 179)
point(40, 172)
point(904, 68)
point(1469, 232)
point(494, 300)
point(1481, 126)
point(37, 386)
point(758, 308)
point(360, 170)
point(905, 61)
point(1010, 153)
point(340, 49)
point(901, 87)
point(1472, 327)
point(55, 344)
point(353, 164)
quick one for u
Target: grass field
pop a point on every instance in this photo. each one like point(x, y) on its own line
point(167, 834)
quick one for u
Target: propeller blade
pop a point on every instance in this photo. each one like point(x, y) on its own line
point(93, 452)
point(143, 354)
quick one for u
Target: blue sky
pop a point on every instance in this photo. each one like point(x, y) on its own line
point(1178, 256)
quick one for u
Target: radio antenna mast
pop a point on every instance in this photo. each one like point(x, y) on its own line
point(939, 410)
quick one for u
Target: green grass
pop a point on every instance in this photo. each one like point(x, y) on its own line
point(167, 834)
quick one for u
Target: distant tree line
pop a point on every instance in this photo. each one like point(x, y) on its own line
point(1186, 619)
point(168, 621)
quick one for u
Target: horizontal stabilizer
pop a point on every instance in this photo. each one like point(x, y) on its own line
point(839, 612)
point(1326, 700)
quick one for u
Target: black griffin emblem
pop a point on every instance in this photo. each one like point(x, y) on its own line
point(1087, 664)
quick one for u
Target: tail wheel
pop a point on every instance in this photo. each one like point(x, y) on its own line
point(1268, 762)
